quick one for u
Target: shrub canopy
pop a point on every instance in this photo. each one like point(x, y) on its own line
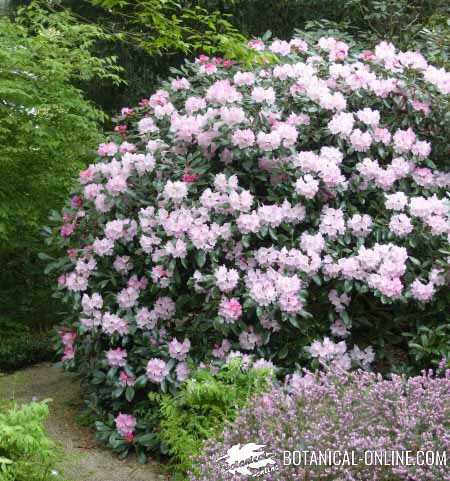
point(252, 209)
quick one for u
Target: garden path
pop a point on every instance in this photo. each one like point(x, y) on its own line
point(84, 459)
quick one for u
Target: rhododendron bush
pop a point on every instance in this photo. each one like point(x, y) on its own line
point(256, 210)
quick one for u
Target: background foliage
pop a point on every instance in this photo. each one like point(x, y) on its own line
point(47, 132)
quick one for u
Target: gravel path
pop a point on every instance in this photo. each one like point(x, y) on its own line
point(84, 460)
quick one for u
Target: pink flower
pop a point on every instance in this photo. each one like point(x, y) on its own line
point(156, 370)
point(179, 350)
point(87, 175)
point(381, 135)
point(126, 111)
point(125, 424)
point(66, 230)
point(221, 351)
point(127, 147)
point(422, 292)
point(256, 44)
point(175, 191)
point(208, 68)
point(422, 149)
point(423, 176)
point(307, 186)
point(243, 138)
point(341, 123)
point(281, 47)
point(299, 45)
point(260, 95)
point(360, 224)
point(404, 140)
point(182, 371)
point(338, 329)
point(116, 357)
point(189, 178)
point(361, 141)
point(67, 338)
point(230, 309)
point(147, 125)
point(180, 84)
point(69, 353)
point(76, 201)
point(203, 58)
point(159, 98)
point(109, 149)
point(126, 380)
point(367, 55)
point(112, 323)
point(244, 78)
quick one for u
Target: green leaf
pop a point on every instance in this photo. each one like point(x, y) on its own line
point(129, 393)
point(283, 352)
point(306, 314)
point(147, 439)
point(200, 258)
point(273, 234)
point(344, 316)
point(117, 392)
point(414, 261)
point(294, 321)
point(45, 257)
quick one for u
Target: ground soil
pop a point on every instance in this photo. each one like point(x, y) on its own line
point(84, 459)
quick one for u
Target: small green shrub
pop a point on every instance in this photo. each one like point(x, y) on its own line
point(205, 402)
point(26, 453)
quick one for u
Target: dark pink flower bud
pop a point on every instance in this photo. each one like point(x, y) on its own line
point(189, 177)
point(203, 58)
point(76, 201)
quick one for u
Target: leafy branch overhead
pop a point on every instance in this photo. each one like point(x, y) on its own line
point(170, 26)
point(48, 127)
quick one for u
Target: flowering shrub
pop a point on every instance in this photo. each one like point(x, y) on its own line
point(255, 210)
point(358, 413)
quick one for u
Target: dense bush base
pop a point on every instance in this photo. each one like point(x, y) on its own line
point(19, 350)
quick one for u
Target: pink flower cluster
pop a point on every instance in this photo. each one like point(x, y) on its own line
point(68, 337)
point(126, 424)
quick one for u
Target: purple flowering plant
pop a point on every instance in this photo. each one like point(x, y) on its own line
point(357, 413)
